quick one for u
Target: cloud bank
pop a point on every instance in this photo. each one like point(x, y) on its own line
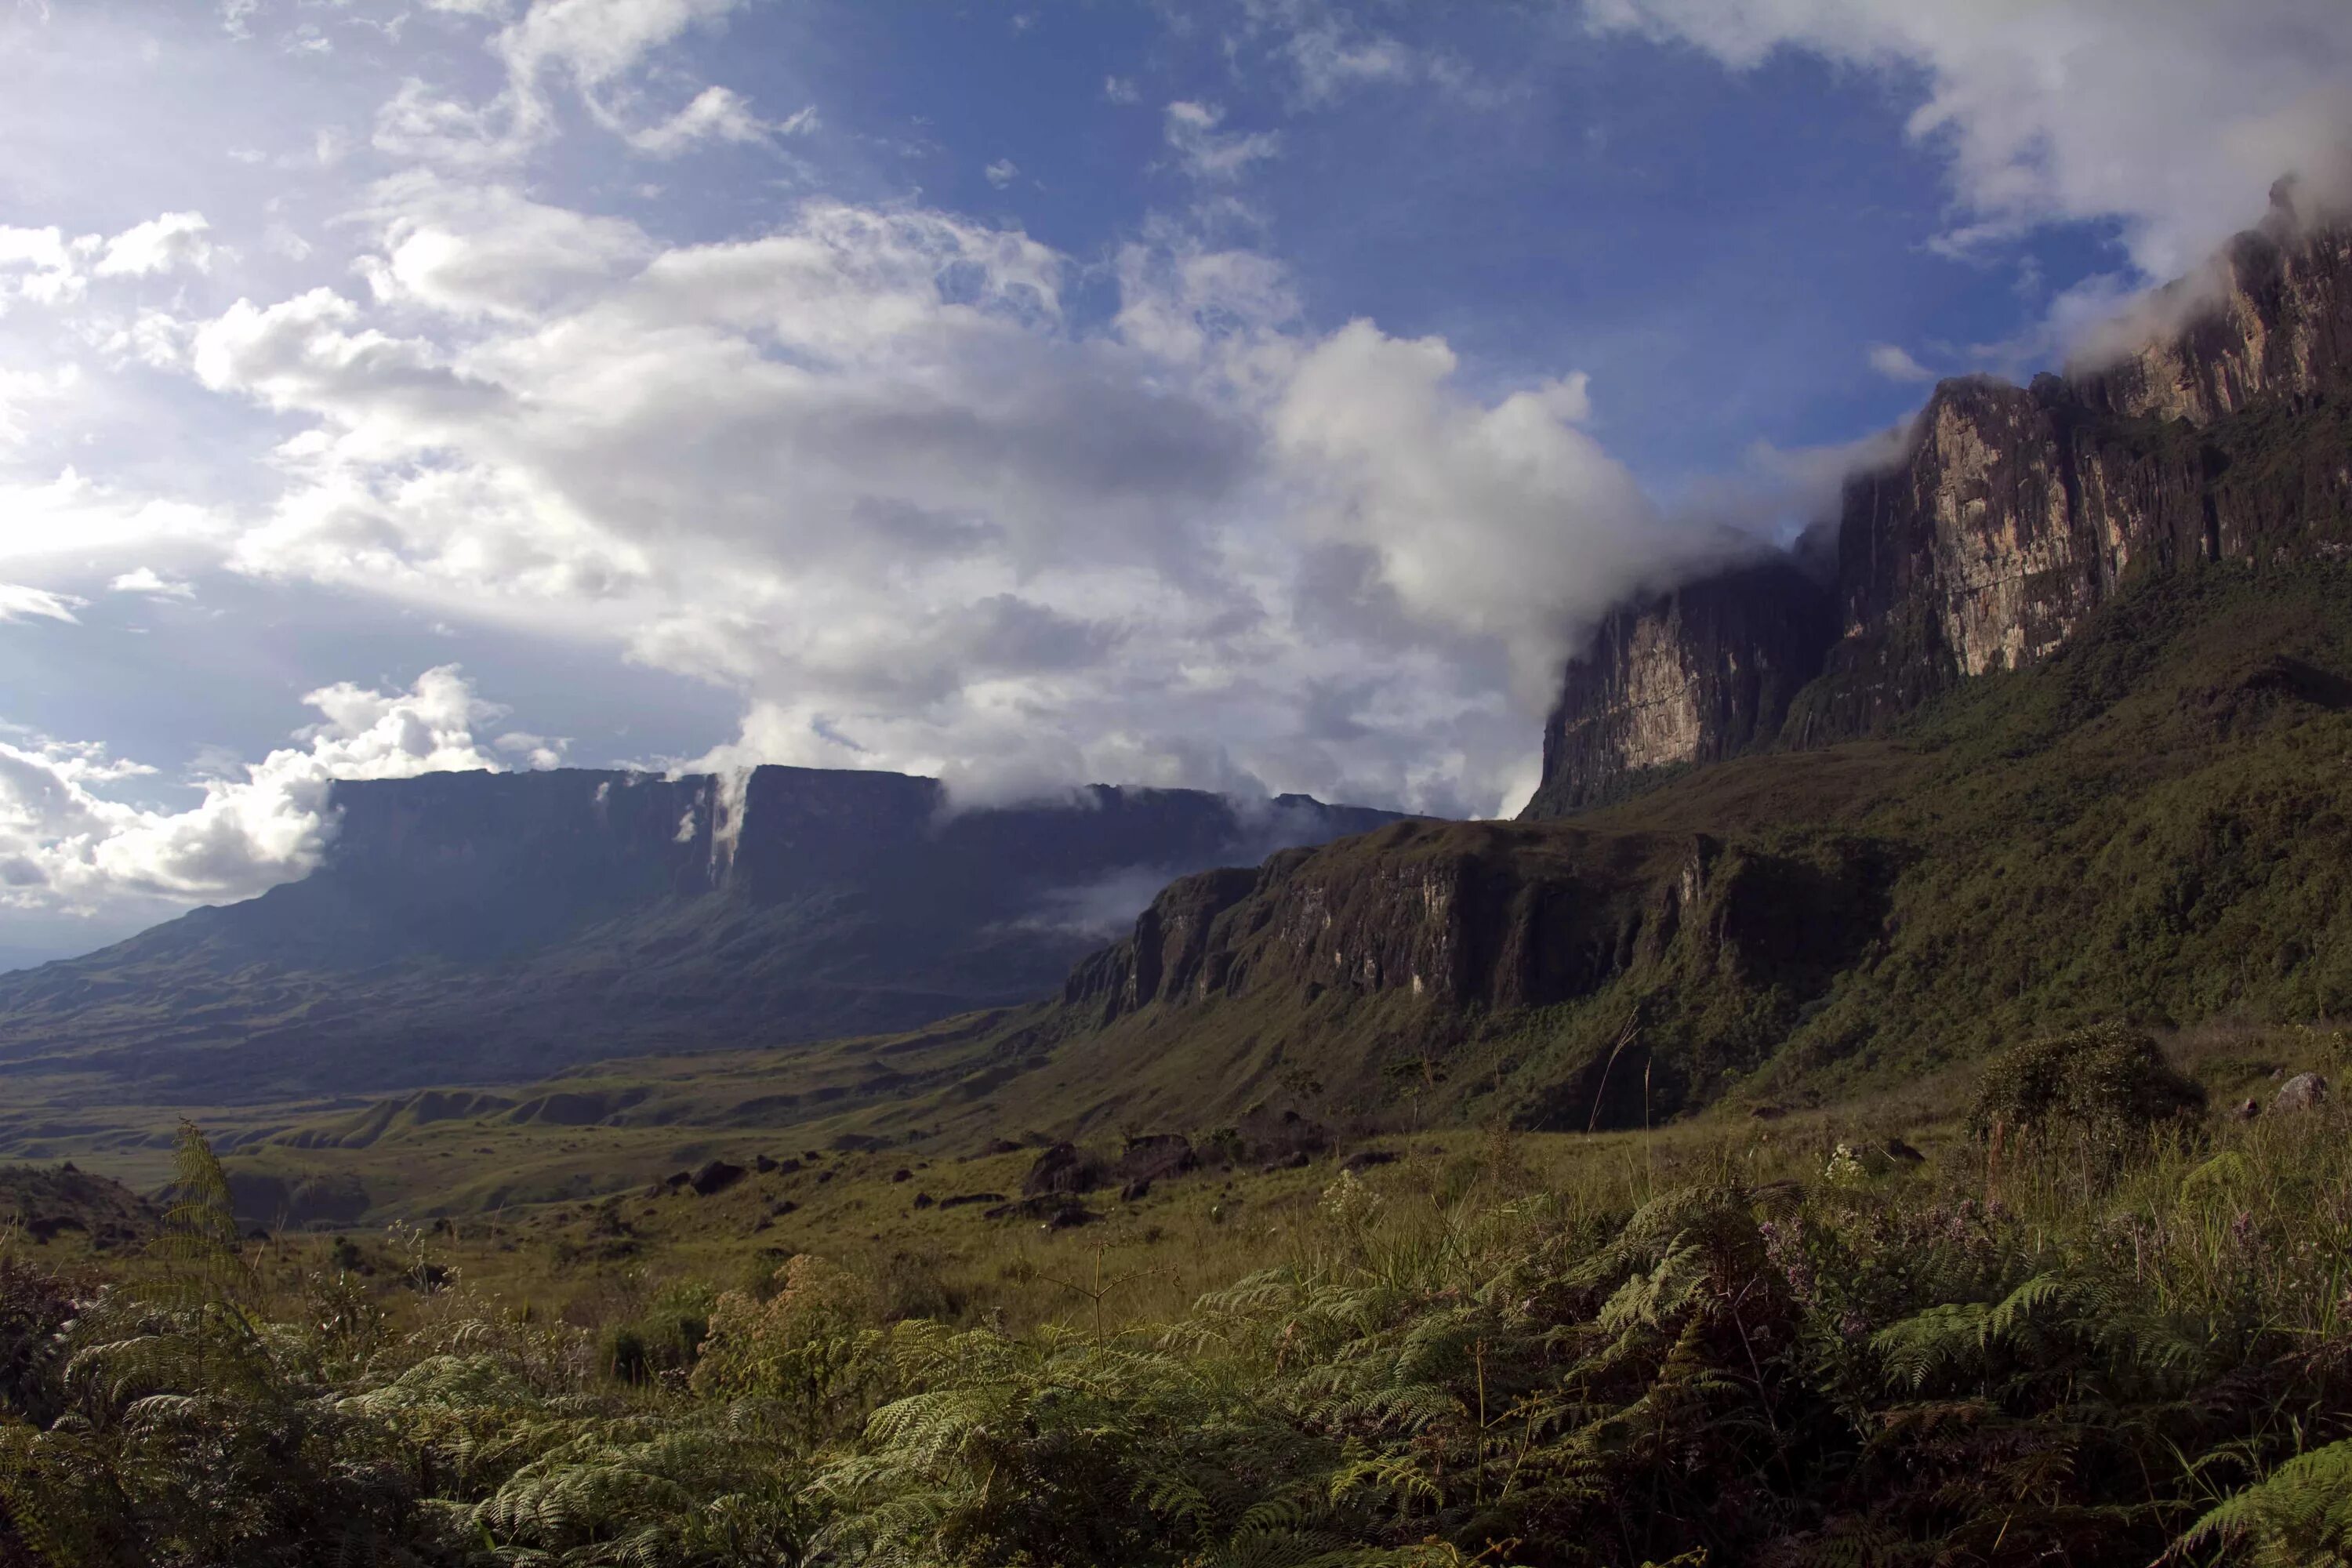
point(67, 841)
point(2169, 119)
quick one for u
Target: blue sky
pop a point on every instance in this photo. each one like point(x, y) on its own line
point(1259, 396)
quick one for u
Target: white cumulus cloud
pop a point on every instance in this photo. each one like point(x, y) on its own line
point(146, 580)
point(159, 244)
point(1895, 363)
point(1208, 153)
point(863, 469)
point(2171, 117)
point(18, 602)
point(67, 843)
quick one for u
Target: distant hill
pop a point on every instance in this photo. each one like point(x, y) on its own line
point(479, 927)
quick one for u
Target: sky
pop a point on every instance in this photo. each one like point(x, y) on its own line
point(1260, 395)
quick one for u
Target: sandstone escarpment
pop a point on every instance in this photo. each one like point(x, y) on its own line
point(2268, 318)
point(2012, 515)
point(1373, 953)
point(1696, 675)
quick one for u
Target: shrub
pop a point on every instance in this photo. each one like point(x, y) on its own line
point(2107, 1085)
point(667, 1337)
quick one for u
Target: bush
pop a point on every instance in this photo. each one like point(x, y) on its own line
point(666, 1338)
point(2108, 1085)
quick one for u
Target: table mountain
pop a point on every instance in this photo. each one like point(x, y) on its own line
point(476, 926)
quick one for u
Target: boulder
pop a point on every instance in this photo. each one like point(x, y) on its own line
point(715, 1176)
point(1064, 1169)
point(961, 1199)
point(2301, 1093)
point(1135, 1191)
point(1365, 1159)
point(1154, 1157)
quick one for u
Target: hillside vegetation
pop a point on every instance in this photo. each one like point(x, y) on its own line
point(2094, 1340)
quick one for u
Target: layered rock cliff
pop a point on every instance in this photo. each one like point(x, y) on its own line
point(1696, 675)
point(1373, 954)
point(2011, 514)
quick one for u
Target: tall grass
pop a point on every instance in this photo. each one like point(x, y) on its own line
point(1753, 1348)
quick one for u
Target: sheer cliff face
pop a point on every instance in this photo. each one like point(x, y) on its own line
point(2014, 513)
point(2271, 318)
point(1693, 675)
point(1357, 959)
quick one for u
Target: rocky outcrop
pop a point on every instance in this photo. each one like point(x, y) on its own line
point(1462, 915)
point(1376, 962)
point(1696, 675)
point(2012, 515)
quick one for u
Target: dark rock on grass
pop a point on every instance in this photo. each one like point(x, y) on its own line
point(1272, 1136)
point(1071, 1219)
point(1065, 1169)
point(1902, 1153)
point(961, 1199)
point(764, 1163)
point(716, 1176)
point(1155, 1157)
point(679, 1180)
point(922, 1200)
point(1135, 1191)
point(2301, 1093)
point(1296, 1159)
point(782, 1207)
point(1365, 1159)
point(51, 1202)
point(824, 1176)
point(1002, 1146)
point(902, 1175)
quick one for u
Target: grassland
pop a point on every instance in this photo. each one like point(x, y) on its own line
point(1860, 1335)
